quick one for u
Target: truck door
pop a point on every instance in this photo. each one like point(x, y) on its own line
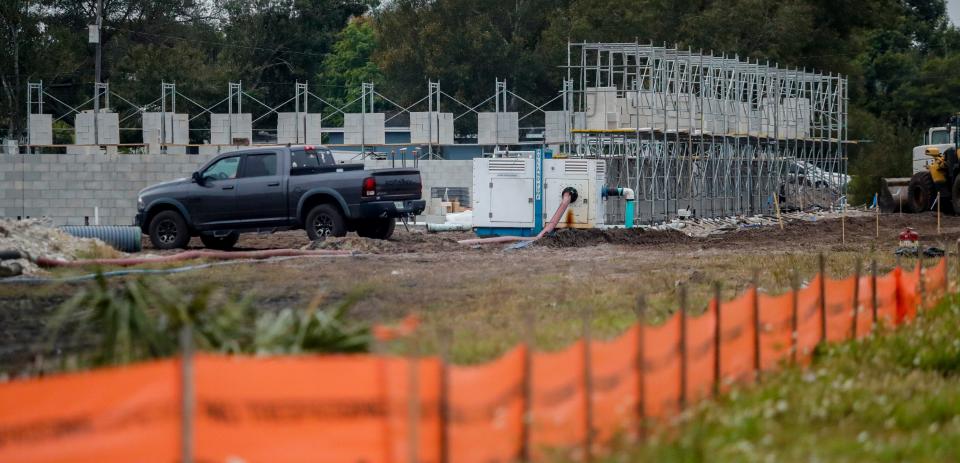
point(215, 202)
point(261, 194)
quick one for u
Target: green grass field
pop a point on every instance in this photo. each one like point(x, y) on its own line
point(891, 397)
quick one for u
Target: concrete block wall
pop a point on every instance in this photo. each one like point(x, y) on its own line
point(67, 188)
point(435, 173)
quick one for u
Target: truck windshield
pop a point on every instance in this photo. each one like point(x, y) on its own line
point(309, 160)
point(939, 137)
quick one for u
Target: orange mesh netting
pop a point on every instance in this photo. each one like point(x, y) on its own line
point(776, 323)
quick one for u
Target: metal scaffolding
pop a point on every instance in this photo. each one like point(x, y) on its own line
point(704, 135)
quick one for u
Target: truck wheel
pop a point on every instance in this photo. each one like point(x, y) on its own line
point(380, 229)
point(221, 243)
point(323, 221)
point(168, 230)
point(920, 192)
point(955, 195)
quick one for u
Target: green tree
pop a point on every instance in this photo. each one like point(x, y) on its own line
point(350, 64)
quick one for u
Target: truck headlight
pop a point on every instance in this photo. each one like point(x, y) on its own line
point(140, 202)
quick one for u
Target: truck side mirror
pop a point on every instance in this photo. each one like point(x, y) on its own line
point(197, 178)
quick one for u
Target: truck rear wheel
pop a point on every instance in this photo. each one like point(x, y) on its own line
point(168, 230)
point(920, 192)
point(380, 229)
point(325, 220)
point(221, 243)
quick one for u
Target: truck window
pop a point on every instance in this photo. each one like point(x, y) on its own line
point(939, 137)
point(223, 169)
point(308, 161)
point(259, 165)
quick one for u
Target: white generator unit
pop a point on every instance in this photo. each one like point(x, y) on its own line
point(517, 196)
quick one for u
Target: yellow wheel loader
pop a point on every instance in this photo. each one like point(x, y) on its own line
point(936, 170)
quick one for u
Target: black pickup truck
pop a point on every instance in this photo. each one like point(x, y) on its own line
point(277, 188)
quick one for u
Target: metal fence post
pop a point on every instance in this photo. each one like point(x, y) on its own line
point(187, 394)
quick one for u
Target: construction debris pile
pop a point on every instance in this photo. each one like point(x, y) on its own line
point(704, 227)
point(37, 238)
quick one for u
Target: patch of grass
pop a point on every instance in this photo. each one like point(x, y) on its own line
point(890, 397)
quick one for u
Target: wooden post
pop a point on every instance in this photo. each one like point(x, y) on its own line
point(938, 212)
point(873, 291)
point(958, 264)
point(587, 389)
point(856, 300)
point(717, 338)
point(413, 401)
point(843, 225)
point(794, 317)
point(682, 346)
point(823, 297)
point(776, 204)
point(757, 327)
point(527, 389)
point(877, 214)
point(187, 394)
point(641, 310)
point(445, 336)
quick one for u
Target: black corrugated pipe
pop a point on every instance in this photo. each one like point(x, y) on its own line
point(124, 239)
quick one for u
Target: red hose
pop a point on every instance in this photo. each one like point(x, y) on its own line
point(218, 255)
point(564, 203)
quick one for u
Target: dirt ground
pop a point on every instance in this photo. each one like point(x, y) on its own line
point(483, 293)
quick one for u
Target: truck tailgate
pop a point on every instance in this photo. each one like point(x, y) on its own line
point(395, 184)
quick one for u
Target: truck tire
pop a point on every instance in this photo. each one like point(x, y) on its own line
point(380, 229)
point(221, 243)
point(325, 220)
point(168, 230)
point(920, 192)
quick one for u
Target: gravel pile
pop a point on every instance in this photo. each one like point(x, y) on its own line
point(38, 238)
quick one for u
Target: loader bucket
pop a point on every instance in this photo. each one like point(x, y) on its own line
point(894, 196)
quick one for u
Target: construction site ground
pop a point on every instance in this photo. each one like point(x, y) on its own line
point(483, 293)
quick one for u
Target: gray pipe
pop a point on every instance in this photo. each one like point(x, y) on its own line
point(124, 239)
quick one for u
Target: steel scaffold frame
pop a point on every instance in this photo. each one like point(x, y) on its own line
point(707, 135)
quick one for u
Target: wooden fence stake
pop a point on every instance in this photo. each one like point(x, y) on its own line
point(682, 346)
point(776, 204)
point(641, 314)
point(794, 318)
point(717, 338)
point(187, 394)
point(587, 388)
point(856, 299)
point(413, 401)
point(938, 212)
point(757, 327)
point(527, 390)
point(877, 213)
point(843, 225)
point(823, 297)
point(873, 292)
point(445, 336)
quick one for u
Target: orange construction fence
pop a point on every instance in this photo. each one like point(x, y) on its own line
point(375, 408)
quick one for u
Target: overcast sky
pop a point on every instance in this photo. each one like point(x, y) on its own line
point(953, 8)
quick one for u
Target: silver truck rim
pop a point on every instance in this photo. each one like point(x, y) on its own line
point(323, 225)
point(167, 231)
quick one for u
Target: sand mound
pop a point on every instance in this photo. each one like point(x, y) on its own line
point(37, 238)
